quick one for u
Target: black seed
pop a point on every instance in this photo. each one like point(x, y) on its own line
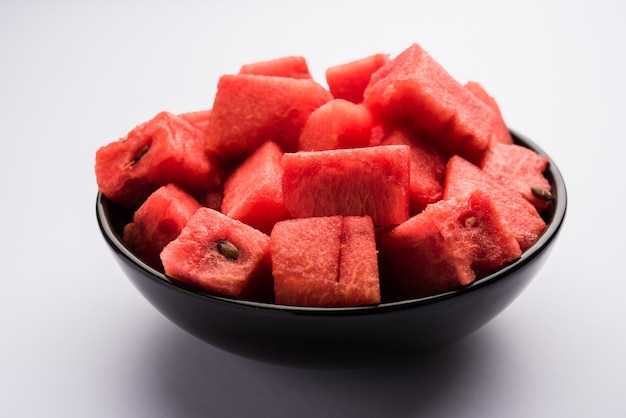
point(141, 153)
point(228, 249)
point(541, 193)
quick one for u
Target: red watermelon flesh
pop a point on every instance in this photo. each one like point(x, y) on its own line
point(415, 92)
point(253, 193)
point(337, 124)
point(372, 181)
point(249, 110)
point(473, 228)
point(349, 80)
point(166, 149)
point(378, 134)
point(358, 265)
point(421, 262)
point(428, 166)
point(198, 118)
point(306, 251)
point(520, 168)
point(158, 221)
point(502, 133)
point(325, 261)
point(221, 256)
point(463, 177)
point(293, 66)
point(448, 245)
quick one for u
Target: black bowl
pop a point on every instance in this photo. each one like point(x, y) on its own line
point(336, 336)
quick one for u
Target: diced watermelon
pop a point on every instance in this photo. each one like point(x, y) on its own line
point(222, 256)
point(474, 227)
point(349, 80)
point(463, 177)
point(166, 149)
point(415, 92)
point(502, 133)
point(325, 261)
point(253, 193)
point(358, 262)
point(251, 109)
point(428, 166)
point(337, 124)
point(372, 181)
point(448, 245)
point(520, 168)
point(198, 118)
point(290, 66)
point(158, 221)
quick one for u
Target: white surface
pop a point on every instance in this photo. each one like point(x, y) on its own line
point(79, 340)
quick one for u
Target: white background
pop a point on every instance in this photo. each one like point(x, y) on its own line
point(79, 341)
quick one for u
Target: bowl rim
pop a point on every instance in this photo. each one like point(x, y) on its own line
point(554, 225)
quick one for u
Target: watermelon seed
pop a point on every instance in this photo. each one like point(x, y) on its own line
point(541, 193)
point(141, 153)
point(470, 222)
point(228, 249)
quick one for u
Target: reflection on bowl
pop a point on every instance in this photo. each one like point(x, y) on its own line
point(332, 336)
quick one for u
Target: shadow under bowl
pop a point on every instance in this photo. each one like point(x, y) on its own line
point(327, 337)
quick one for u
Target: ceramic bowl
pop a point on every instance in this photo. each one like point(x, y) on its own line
point(305, 336)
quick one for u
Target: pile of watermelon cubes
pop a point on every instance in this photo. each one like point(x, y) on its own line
point(393, 182)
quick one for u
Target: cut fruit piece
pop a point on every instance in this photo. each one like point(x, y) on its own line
point(502, 133)
point(428, 166)
point(158, 221)
point(415, 92)
point(251, 109)
point(474, 227)
point(335, 125)
point(166, 149)
point(519, 168)
point(221, 256)
point(325, 262)
point(290, 66)
point(463, 177)
point(448, 245)
point(349, 80)
point(371, 181)
point(253, 193)
point(198, 118)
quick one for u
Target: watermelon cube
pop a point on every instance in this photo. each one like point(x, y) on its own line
point(502, 133)
point(198, 118)
point(349, 80)
point(166, 149)
point(294, 66)
point(249, 110)
point(337, 124)
point(520, 168)
point(463, 177)
point(372, 181)
point(158, 221)
point(253, 193)
point(222, 256)
point(428, 166)
point(325, 262)
point(474, 228)
point(415, 92)
point(448, 245)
